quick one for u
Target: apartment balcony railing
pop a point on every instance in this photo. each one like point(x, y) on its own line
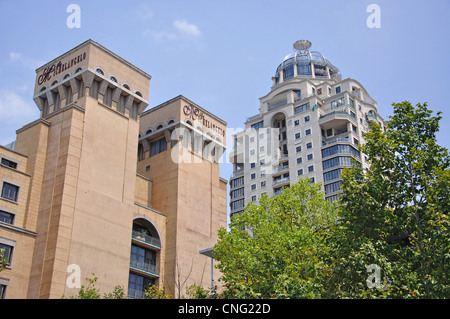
point(147, 239)
point(280, 180)
point(280, 168)
point(146, 267)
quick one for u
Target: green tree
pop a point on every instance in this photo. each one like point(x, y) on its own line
point(395, 213)
point(154, 293)
point(90, 292)
point(3, 261)
point(275, 249)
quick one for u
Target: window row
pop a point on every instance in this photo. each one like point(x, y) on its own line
point(340, 149)
point(237, 182)
point(337, 161)
point(333, 187)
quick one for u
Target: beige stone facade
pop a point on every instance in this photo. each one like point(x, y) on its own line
point(96, 186)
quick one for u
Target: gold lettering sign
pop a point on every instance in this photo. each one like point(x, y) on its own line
point(59, 67)
point(196, 114)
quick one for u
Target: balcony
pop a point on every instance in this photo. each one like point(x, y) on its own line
point(143, 267)
point(280, 169)
point(281, 181)
point(146, 239)
point(335, 118)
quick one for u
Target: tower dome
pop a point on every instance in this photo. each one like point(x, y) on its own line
point(304, 63)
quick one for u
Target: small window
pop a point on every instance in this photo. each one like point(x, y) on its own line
point(300, 172)
point(112, 78)
point(158, 146)
point(9, 163)
point(159, 127)
point(7, 252)
point(311, 168)
point(252, 165)
point(338, 90)
point(253, 176)
point(99, 71)
point(297, 136)
point(307, 118)
point(329, 132)
point(138, 93)
point(308, 132)
point(298, 149)
point(299, 160)
point(149, 131)
point(263, 184)
point(310, 157)
point(10, 191)
point(253, 187)
point(309, 145)
point(254, 198)
point(6, 217)
point(319, 91)
point(297, 122)
point(126, 86)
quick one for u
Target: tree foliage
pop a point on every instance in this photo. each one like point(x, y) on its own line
point(395, 213)
point(274, 249)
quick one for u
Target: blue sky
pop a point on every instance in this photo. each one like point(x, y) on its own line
point(222, 54)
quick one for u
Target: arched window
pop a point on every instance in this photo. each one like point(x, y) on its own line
point(170, 122)
point(78, 69)
point(138, 93)
point(126, 86)
point(144, 259)
point(113, 78)
point(159, 127)
point(149, 131)
point(100, 71)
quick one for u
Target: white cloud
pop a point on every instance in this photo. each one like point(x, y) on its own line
point(14, 109)
point(30, 63)
point(159, 35)
point(145, 12)
point(15, 56)
point(187, 28)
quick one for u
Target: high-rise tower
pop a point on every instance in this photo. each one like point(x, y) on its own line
point(309, 125)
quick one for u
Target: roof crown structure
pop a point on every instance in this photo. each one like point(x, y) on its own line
point(304, 63)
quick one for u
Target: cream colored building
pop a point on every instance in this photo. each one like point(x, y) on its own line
point(309, 126)
point(99, 186)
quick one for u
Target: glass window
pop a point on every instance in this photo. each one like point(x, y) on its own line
point(253, 176)
point(307, 118)
point(299, 160)
point(340, 149)
point(297, 136)
point(310, 157)
point(107, 99)
point(158, 146)
point(308, 132)
point(257, 126)
point(300, 172)
point(298, 149)
point(7, 252)
point(134, 110)
point(6, 217)
point(333, 187)
point(288, 72)
point(9, 163)
point(311, 168)
point(297, 122)
point(309, 145)
point(338, 90)
point(253, 187)
point(301, 108)
point(94, 89)
point(10, 191)
point(122, 102)
point(331, 175)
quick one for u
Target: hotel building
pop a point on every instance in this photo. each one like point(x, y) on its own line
point(309, 126)
point(97, 185)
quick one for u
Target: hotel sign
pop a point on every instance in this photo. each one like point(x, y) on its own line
point(59, 67)
point(196, 114)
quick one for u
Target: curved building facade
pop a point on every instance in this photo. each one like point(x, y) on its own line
point(309, 126)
